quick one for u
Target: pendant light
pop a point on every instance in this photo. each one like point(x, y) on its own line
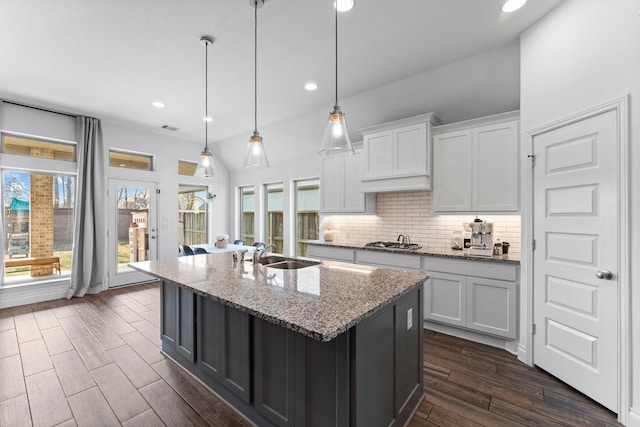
point(255, 156)
point(336, 140)
point(205, 165)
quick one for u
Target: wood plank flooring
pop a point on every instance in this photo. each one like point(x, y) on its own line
point(96, 361)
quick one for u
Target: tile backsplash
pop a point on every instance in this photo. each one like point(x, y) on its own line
point(410, 213)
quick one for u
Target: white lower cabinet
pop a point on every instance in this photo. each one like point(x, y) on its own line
point(483, 304)
point(445, 298)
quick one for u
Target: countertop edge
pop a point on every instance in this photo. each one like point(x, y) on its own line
point(294, 327)
point(503, 259)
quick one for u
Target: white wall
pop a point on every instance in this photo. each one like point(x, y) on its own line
point(583, 54)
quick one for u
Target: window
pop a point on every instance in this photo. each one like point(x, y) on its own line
point(51, 149)
point(247, 213)
point(193, 208)
point(129, 160)
point(186, 168)
point(273, 215)
point(307, 200)
point(38, 224)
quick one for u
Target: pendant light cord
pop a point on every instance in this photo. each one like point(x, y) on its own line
point(336, 105)
point(255, 67)
point(206, 95)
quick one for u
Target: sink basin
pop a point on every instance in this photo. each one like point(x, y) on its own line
point(393, 245)
point(283, 263)
point(292, 264)
point(271, 259)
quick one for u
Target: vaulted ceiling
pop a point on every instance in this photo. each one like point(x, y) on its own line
point(111, 59)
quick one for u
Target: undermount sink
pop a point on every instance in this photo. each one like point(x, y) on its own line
point(393, 245)
point(283, 263)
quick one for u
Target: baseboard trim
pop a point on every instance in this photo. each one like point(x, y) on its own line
point(14, 296)
point(492, 341)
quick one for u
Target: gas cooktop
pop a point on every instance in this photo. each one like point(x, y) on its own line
point(393, 245)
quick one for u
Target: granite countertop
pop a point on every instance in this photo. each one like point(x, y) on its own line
point(445, 253)
point(320, 301)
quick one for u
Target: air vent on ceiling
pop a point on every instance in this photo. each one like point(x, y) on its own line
point(167, 127)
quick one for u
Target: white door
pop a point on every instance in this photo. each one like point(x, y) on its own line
point(575, 258)
point(132, 229)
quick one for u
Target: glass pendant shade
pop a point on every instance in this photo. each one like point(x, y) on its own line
point(336, 141)
point(205, 165)
point(255, 155)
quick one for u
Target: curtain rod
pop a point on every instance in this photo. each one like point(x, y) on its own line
point(20, 104)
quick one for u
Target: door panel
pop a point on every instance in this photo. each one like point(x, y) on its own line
point(132, 229)
point(575, 229)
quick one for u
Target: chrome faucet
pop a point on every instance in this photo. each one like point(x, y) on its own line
point(404, 239)
point(259, 253)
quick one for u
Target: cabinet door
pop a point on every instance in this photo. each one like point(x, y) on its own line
point(452, 172)
point(410, 150)
point(186, 338)
point(354, 199)
point(495, 160)
point(177, 322)
point(445, 299)
point(235, 360)
point(209, 336)
point(491, 306)
point(379, 154)
point(274, 372)
point(331, 185)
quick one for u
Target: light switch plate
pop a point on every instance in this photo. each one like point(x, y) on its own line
point(409, 318)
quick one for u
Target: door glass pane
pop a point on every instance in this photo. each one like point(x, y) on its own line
point(38, 225)
point(307, 217)
point(132, 207)
point(273, 215)
point(193, 206)
point(247, 211)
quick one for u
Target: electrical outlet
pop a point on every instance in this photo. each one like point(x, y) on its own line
point(409, 318)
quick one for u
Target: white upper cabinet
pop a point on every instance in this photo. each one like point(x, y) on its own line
point(397, 155)
point(476, 165)
point(340, 186)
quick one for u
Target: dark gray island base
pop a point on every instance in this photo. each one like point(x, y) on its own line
point(299, 368)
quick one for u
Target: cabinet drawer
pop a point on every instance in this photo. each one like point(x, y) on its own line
point(491, 270)
point(330, 253)
point(387, 259)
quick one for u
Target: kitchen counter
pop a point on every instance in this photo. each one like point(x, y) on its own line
point(319, 301)
point(445, 253)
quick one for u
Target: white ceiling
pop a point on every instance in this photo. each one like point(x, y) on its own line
point(112, 58)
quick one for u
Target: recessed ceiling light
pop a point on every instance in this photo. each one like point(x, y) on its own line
point(512, 5)
point(311, 86)
point(207, 119)
point(344, 5)
point(157, 104)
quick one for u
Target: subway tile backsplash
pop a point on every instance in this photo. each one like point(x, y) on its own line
point(410, 213)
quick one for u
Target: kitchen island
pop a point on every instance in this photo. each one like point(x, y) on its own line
point(326, 344)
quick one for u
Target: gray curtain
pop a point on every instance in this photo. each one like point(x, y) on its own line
point(89, 259)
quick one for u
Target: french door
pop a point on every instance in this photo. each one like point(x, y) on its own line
point(133, 231)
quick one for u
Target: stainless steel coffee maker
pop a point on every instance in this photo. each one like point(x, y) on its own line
point(481, 238)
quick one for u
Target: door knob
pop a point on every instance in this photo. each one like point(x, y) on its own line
point(604, 274)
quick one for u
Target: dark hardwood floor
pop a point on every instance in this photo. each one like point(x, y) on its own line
point(96, 361)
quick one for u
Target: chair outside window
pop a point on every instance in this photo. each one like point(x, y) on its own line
point(260, 245)
point(239, 242)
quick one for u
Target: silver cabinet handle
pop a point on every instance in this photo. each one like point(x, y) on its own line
point(604, 274)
